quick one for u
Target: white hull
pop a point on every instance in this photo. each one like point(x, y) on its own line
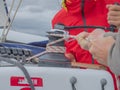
point(50, 78)
point(45, 78)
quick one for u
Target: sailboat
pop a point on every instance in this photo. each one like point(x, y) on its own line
point(27, 67)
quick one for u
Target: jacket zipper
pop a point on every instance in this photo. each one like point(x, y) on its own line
point(83, 14)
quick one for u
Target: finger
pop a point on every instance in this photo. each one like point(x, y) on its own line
point(109, 5)
point(99, 60)
point(113, 7)
point(113, 13)
point(116, 23)
point(114, 18)
point(83, 43)
point(92, 50)
point(82, 35)
point(89, 45)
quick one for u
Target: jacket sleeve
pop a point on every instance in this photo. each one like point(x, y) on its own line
point(114, 54)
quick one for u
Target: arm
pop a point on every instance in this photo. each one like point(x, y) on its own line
point(114, 53)
point(106, 50)
point(114, 56)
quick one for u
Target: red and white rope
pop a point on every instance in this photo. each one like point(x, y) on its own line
point(56, 41)
point(55, 49)
point(62, 35)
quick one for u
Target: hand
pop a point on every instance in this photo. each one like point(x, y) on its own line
point(81, 38)
point(96, 33)
point(84, 38)
point(100, 48)
point(114, 15)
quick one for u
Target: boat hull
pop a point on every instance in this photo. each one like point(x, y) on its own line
point(54, 78)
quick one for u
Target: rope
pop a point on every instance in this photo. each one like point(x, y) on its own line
point(55, 49)
point(52, 49)
point(4, 34)
point(7, 21)
point(20, 66)
point(66, 36)
point(56, 41)
point(35, 56)
point(61, 49)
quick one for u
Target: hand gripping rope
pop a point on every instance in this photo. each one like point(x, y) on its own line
point(60, 49)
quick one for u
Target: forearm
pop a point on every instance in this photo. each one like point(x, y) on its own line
point(114, 55)
point(114, 35)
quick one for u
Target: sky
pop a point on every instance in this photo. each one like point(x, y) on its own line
point(34, 16)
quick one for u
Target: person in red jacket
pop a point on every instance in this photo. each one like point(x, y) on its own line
point(82, 13)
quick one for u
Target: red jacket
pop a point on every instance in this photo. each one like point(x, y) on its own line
point(83, 12)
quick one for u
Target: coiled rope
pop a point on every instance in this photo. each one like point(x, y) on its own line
point(51, 48)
